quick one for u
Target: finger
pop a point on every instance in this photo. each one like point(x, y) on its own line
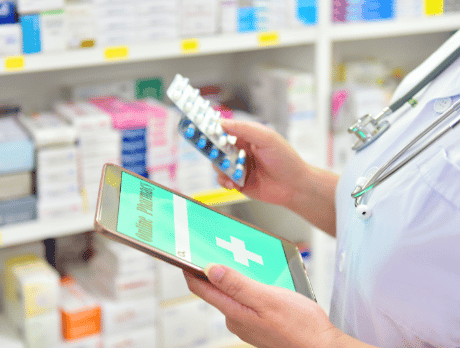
point(224, 303)
point(242, 289)
point(249, 131)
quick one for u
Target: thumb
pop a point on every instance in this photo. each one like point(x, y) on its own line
point(249, 131)
point(235, 285)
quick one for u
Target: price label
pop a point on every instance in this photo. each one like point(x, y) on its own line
point(14, 63)
point(190, 46)
point(269, 38)
point(116, 53)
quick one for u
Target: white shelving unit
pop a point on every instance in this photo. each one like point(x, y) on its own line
point(35, 80)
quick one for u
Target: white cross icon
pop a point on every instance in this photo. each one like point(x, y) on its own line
point(237, 247)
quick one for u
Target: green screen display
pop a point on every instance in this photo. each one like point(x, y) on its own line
point(199, 235)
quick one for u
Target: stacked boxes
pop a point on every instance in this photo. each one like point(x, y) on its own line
point(10, 30)
point(16, 164)
point(56, 156)
point(132, 119)
point(98, 144)
point(198, 17)
point(81, 24)
point(368, 10)
point(162, 138)
point(43, 25)
point(31, 300)
point(157, 20)
point(286, 99)
point(115, 22)
point(80, 312)
point(123, 281)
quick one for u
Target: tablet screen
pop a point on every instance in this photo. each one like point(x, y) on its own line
point(182, 228)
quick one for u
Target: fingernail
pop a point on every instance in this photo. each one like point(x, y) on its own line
point(227, 122)
point(229, 185)
point(214, 272)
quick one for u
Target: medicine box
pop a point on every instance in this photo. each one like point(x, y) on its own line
point(31, 37)
point(81, 24)
point(8, 13)
point(57, 157)
point(48, 128)
point(53, 30)
point(84, 116)
point(127, 315)
point(138, 338)
point(18, 210)
point(119, 287)
point(31, 293)
point(81, 313)
point(58, 208)
point(170, 282)
point(10, 40)
point(110, 265)
point(9, 337)
point(178, 330)
point(35, 248)
point(15, 185)
point(16, 149)
point(93, 341)
point(36, 6)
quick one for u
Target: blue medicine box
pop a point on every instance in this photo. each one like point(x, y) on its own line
point(306, 11)
point(378, 10)
point(31, 42)
point(18, 210)
point(8, 13)
point(16, 149)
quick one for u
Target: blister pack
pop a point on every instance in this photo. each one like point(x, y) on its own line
point(201, 127)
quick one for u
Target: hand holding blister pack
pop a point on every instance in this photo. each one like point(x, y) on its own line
point(201, 126)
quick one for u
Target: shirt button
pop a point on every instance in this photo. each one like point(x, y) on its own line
point(442, 104)
point(342, 262)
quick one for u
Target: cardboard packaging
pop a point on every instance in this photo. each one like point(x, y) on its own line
point(16, 149)
point(8, 337)
point(16, 185)
point(18, 210)
point(80, 312)
point(48, 129)
point(31, 292)
point(139, 338)
point(177, 328)
point(10, 40)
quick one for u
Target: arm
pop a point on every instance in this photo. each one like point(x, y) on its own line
point(278, 175)
point(314, 198)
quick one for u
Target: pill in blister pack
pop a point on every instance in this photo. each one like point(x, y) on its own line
point(201, 126)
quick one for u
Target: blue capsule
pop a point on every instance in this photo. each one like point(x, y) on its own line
point(238, 174)
point(190, 132)
point(241, 160)
point(225, 164)
point(201, 142)
point(214, 153)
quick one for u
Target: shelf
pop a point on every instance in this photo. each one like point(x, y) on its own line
point(162, 49)
point(36, 230)
point(392, 28)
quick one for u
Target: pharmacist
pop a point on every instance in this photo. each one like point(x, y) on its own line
point(397, 273)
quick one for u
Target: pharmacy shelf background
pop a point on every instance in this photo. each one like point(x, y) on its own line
point(35, 80)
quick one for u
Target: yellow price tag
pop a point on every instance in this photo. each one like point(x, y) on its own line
point(190, 46)
point(14, 63)
point(269, 38)
point(116, 53)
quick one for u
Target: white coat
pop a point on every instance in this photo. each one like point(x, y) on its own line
point(397, 275)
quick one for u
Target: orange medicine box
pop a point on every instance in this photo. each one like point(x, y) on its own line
point(81, 313)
